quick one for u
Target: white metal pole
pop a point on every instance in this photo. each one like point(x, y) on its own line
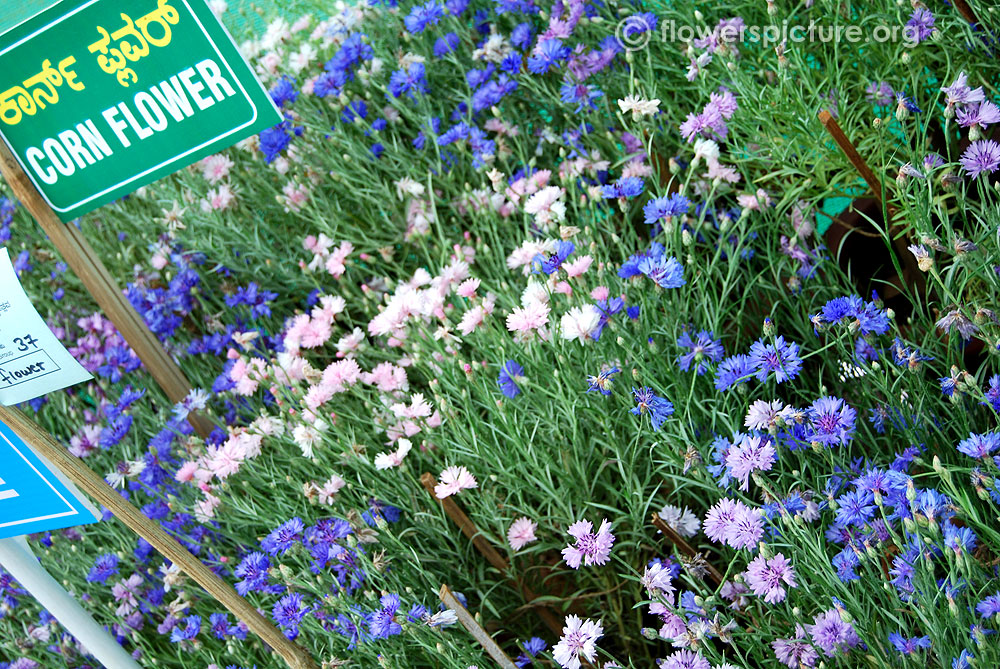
point(17, 558)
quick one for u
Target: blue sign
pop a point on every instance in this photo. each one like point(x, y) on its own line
point(33, 496)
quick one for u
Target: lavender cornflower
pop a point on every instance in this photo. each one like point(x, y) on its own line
point(980, 446)
point(507, 380)
point(831, 634)
point(959, 93)
point(978, 117)
point(908, 646)
point(579, 638)
point(750, 455)
point(920, 27)
point(767, 576)
point(734, 523)
point(781, 358)
point(956, 320)
point(796, 652)
point(590, 547)
point(704, 348)
point(658, 408)
point(982, 157)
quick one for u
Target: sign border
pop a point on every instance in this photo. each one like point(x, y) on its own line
point(74, 511)
point(165, 163)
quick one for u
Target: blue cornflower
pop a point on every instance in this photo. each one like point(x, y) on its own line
point(844, 563)
point(989, 607)
point(422, 16)
point(274, 140)
point(532, 647)
point(904, 356)
point(511, 64)
point(909, 646)
point(959, 539)
point(382, 623)
point(546, 55)
point(658, 408)
point(288, 612)
point(855, 508)
point(456, 7)
point(665, 272)
point(283, 537)
point(476, 78)
point(703, 349)
point(192, 625)
point(781, 358)
point(962, 661)
point(624, 187)
point(552, 263)
point(413, 79)
point(507, 380)
point(603, 381)
point(993, 393)
point(579, 94)
point(831, 421)
point(733, 371)
point(521, 35)
point(980, 445)
point(105, 566)
point(445, 45)
point(665, 207)
point(283, 92)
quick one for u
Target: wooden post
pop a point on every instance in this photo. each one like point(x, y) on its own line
point(475, 629)
point(89, 482)
point(684, 547)
point(81, 258)
point(491, 554)
point(911, 272)
point(966, 11)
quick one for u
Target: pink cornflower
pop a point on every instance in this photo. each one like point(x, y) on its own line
point(579, 638)
point(521, 533)
point(533, 316)
point(453, 481)
point(590, 548)
point(387, 377)
point(768, 577)
point(341, 375)
point(750, 455)
point(216, 168)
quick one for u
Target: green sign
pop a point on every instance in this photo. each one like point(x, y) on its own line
point(100, 97)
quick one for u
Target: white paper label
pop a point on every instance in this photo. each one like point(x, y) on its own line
point(32, 360)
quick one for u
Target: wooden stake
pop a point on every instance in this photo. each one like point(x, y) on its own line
point(89, 482)
point(684, 547)
point(491, 554)
point(475, 629)
point(963, 8)
point(80, 257)
point(911, 272)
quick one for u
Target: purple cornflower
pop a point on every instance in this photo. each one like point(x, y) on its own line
point(283, 537)
point(105, 566)
point(781, 357)
point(982, 157)
point(908, 646)
point(955, 319)
point(981, 115)
point(989, 607)
point(382, 623)
point(580, 94)
point(920, 27)
point(603, 381)
point(752, 454)
point(704, 348)
point(796, 652)
point(685, 659)
point(579, 638)
point(980, 445)
point(507, 380)
point(590, 547)
point(288, 612)
point(959, 93)
point(880, 93)
point(547, 54)
point(734, 523)
point(665, 207)
point(831, 421)
point(831, 634)
point(658, 408)
point(768, 577)
point(666, 272)
point(421, 16)
point(733, 371)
